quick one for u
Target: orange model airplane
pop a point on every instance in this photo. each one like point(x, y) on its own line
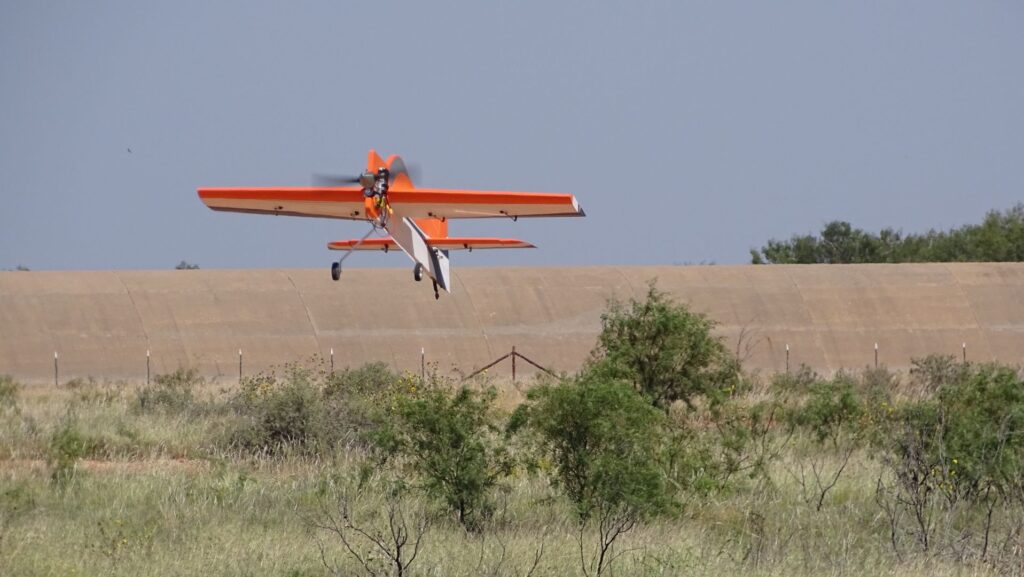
point(416, 219)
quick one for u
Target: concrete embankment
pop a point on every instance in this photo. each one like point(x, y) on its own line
point(102, 323)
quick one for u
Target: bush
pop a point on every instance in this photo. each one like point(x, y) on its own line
point(664, 350)
point(169, 393)
point(308, 409)
point(934, 372)
point(951, 456)
point(277, 415)
point(67, 445)
point(603, 439)
point(449, 440)
point(8, 391)
point(833, 408)
point(357, 400)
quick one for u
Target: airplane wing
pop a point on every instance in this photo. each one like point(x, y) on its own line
point(445, 204)
point(450, 243)
point(347, 202)
point(341, 202)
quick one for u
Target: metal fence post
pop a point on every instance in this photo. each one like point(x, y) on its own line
point(147, 366)
point(787, 358)
point(876, 355)
point(423, 364)
point(55, 371)
point(239, 365)
point(332, 361)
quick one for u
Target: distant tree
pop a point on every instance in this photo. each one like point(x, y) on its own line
point(185, 265)
point(999, 238)
point(21, 268)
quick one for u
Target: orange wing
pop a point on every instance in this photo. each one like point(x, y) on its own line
point(341, 202)
point(453, 243)
point(445, 204)
point(347, 202)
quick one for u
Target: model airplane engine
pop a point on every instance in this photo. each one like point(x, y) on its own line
point(367, 179)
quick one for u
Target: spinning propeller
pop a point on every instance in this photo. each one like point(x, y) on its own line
point(366, 179)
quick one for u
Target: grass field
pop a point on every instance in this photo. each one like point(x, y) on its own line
point(158, 493)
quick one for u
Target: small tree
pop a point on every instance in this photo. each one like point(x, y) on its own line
point(603, 439)
point(833, 413)
point(385, 542)
point(450, 441)
point(185, 265)
point(663, 349)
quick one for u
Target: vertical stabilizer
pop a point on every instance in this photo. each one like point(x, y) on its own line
point(374, 161)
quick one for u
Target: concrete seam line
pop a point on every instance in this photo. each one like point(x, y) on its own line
point(809, 311)
point(309, 315)
point(476, 313)
point(135, 308)
point(985, 345)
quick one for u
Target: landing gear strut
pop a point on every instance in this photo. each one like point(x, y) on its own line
point(437, 294)
point(417, 272)
point(335, 270)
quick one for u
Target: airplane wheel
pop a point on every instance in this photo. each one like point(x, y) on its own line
point(335, 270)
point(437, 294)
point(417, 272)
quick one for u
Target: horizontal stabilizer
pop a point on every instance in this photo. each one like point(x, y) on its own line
point(450, 243)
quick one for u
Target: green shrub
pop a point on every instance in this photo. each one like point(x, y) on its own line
point(833, 407)
point(357, 400)
point(67, 445)
point(953, 457)
point(602, 439)
point(666, 351)
point(169, 393)
point(305, 408)
point(449, 440)
point(795, 384)
point(934, 372)
point(276, 415)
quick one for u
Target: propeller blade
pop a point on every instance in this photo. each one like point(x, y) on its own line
point(334, 179)
point(412, 170)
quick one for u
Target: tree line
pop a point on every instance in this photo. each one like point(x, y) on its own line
point(999, 238)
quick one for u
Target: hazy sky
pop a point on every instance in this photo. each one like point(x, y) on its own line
point(690, 131)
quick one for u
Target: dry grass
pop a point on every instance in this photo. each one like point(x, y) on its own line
point(157, 499)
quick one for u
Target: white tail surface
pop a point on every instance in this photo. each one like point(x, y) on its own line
point(413, 241)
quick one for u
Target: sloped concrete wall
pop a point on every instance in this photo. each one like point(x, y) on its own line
point(102, 323)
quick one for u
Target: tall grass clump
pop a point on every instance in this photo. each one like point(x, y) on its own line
point(8, 391)
point(171, 393)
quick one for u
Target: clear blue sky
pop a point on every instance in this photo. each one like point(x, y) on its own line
point(690, 131)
